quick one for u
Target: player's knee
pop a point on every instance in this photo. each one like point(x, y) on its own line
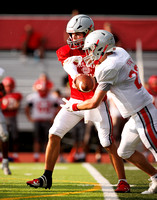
point(54, 140)
point(104, 137)
point(4, 134)
point(56, 130)
point(125, 154)
point(54, 137)
point(105, 143)
point(5, 137)
point(53, 134)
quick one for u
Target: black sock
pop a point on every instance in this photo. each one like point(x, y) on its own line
point(48, 173)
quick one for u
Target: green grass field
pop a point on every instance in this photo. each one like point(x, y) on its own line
point(70, 182)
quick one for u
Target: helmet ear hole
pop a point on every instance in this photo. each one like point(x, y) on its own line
point(102, 53)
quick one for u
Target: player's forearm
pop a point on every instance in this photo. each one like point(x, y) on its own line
point(87, 105)
point(93, 102)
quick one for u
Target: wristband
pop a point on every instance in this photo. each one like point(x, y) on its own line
point(74, 107)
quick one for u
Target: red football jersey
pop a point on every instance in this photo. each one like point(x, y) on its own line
point(9, 104)
point(63, 53)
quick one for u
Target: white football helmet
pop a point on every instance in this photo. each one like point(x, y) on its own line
point(79, 23)
point(97, 44)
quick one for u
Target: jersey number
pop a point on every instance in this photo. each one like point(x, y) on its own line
point(136, 82)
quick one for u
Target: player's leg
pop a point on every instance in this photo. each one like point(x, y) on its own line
point(63, 122)
point(127, 149)
point(52, 151)
point(4, 136)
point(106, 139)
point(146, 123)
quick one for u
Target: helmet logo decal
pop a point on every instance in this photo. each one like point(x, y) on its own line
point(100, 48)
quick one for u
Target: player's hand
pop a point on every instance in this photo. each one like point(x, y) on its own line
point(67, 105)
point(73, 59)
point(74, 81)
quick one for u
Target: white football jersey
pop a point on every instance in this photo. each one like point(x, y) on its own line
point(119, 74)
point(42, 108)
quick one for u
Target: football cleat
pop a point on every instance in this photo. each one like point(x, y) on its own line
point(42, 181)
point(123, 187)
point(152, 186)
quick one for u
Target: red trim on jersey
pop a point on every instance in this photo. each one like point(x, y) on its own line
point(148, 126)
point(110, 121)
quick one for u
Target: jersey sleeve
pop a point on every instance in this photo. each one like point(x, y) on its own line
point(106, 78)
point(63, 53)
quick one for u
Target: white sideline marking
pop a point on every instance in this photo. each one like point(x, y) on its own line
point(107, 189)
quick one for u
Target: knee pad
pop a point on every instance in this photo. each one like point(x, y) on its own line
point(4, 135)
point(125, 154)
point(4, 138)
point(105, 143)
point(105, 138)
point(56, 131)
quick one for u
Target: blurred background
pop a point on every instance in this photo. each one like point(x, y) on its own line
point(134, 26)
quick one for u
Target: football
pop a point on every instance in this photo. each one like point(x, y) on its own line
point(84, 83)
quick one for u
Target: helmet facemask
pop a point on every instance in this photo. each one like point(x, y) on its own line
point(97, 44)
point(94, 53)
point(75, 44)
point(90, 58)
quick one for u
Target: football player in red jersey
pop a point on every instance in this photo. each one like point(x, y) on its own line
point(10, 105)
point(78, 28)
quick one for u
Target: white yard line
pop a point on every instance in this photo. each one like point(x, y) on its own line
point(107, 189)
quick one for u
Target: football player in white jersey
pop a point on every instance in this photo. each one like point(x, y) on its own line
point(116, 72)
point(78, 28)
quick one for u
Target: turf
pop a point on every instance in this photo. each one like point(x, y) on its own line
point(70, 182)
point(135, 177)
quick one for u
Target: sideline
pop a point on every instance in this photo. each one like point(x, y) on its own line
point(107, 189)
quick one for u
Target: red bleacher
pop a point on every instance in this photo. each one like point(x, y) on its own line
point(128, 29)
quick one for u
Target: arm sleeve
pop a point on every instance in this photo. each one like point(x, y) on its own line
point(106, 78)
point(71, 69)
point(70, 65)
